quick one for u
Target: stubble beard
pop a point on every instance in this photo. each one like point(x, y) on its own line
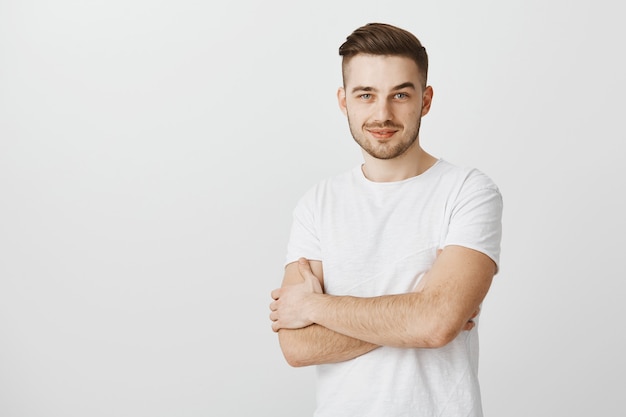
point(384, 150)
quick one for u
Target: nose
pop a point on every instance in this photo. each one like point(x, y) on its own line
point(383, 111)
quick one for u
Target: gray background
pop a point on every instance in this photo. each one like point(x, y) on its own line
point(151, 153)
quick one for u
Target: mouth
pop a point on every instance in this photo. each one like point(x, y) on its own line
point(382, 133)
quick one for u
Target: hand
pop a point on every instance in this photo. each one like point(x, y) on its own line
point(470, 323)
point(290, 302)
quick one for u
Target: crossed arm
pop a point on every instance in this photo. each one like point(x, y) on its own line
point(316, 328)
point(311, 344)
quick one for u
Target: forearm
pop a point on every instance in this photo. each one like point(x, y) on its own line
point(312, 344)
point(404, 320)
point(316, 345)
point(432, 317)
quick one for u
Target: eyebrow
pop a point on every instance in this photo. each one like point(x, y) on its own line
point(407, 84)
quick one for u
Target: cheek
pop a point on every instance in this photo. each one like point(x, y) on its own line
point(355, 117)
point(359, 111)
point(414, 113)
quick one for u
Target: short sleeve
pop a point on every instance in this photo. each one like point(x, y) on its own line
point(304, 239)
point(476, 218)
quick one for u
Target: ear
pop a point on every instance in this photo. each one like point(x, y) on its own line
point(341, 99)
point(427, 99)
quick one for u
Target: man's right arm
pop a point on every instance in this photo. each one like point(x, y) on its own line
point(314, 344)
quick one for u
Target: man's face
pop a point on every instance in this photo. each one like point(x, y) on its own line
point(384, 101)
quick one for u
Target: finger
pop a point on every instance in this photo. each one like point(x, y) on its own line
point(469, 325)
point(275, 326)
point(276, 294)
point(305, 268)
point(304, 264)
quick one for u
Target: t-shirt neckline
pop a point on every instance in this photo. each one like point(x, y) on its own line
point(358, 171)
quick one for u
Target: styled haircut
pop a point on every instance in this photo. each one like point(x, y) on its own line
point(385, 39)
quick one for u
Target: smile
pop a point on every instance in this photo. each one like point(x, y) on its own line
point(382, 133)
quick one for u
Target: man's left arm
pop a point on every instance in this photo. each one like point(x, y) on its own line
point(456, 285)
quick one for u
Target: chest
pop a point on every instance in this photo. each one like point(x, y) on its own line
point(382, 243)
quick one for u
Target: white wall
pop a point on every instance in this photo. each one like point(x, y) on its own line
point(151, 153)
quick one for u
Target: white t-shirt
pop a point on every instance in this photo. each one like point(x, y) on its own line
point(378, 238)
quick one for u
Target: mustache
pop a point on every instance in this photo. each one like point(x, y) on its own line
point(383, 125)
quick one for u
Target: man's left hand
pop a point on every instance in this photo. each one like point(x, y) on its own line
point(289, 305)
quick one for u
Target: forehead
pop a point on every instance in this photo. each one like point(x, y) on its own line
point(380, 71)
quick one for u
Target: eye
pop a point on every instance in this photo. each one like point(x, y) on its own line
point(401, 96)
point(365, 96)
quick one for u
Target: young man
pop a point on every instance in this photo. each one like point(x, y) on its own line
point(388, 264)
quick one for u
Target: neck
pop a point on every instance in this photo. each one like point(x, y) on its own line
point(412, 163)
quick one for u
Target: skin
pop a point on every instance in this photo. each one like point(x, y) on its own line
point(313, 344)
point(384, 99)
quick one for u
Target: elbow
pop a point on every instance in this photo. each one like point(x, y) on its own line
point(435, 336)
point(294, 359)
point(296, 362)
point(293, 353)
point(441, 337)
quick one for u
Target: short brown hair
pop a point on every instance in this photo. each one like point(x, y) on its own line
point(385, 39)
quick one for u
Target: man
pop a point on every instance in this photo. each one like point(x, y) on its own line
point(388, 264)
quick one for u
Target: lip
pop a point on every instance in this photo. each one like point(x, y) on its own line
point(382, 133)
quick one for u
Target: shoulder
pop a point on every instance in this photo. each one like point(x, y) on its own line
point(323, 189)
point(467, 179)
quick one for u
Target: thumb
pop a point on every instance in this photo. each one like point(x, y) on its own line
point(305, 268)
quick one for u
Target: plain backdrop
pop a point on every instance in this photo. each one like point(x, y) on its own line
point(151, 153)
